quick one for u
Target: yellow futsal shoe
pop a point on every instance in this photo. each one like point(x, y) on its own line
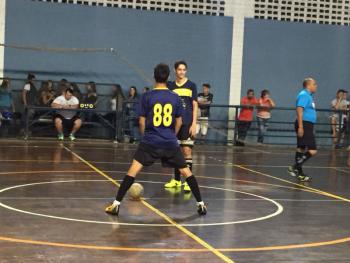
point(113, 209)
point(173, 184)
point(187, 187)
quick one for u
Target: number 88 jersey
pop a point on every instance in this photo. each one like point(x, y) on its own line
point(160, 107)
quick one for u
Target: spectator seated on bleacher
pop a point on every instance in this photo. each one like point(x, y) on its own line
point(340, 105)
point(76, 91)
point(47, 94)
point(90, 99)
point(66, 118)
point(6, 103)
point(7, 107)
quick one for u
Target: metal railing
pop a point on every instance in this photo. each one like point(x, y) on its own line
point(222, 121)
point(223, 125)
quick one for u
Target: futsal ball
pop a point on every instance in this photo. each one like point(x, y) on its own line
point(135, 191)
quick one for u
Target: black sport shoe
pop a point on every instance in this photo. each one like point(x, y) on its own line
point(201, 209)
point(304, 178)
point(293, 171)
point(112, 209)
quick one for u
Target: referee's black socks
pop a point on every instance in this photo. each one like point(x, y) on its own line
point(192, 183)
point(298, 155)
point(124, 187)
point(302, 158)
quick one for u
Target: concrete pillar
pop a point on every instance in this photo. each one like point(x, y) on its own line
point(239, 10)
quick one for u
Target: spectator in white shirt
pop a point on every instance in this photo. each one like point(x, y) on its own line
point(29, 98)
point(30, 93)
point(66, 118)
point(339, 104)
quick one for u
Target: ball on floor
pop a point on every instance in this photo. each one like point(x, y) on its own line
point(136, 191)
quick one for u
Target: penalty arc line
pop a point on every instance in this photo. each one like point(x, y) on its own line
point(158, 212)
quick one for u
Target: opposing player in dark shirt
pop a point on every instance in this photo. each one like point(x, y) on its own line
point(160, 120)
point(187, 91)
point(205, 99)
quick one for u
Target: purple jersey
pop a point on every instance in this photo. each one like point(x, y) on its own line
point(160, 107)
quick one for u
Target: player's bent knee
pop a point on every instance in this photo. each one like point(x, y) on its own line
point(187, 151)
point(58, 121)
point(135, 168)
point(77, 122)
point(313, 152)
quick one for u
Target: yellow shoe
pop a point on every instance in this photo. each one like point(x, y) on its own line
point(113, 209)
point(173, 184)
point(187, 187)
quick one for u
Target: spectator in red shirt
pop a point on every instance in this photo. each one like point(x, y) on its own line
point(245, 117)
point(264, 114)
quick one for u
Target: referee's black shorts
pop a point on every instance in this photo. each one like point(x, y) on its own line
point(308, 140)
point(172, 157)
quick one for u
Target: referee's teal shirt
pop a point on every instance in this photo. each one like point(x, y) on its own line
point(305, 100)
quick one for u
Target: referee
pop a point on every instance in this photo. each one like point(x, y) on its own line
point(304, 127)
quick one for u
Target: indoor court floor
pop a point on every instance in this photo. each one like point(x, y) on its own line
point(53, 195)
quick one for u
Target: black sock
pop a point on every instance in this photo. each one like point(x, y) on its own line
point(177, 175)
point(298, 155)
point(124, 187)
point(192, 183)
point(298, 166)
point(189, 163)
point(306, 156)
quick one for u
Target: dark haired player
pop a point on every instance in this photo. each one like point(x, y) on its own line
point(160, 120)
point(187, 91)
point(304, 127)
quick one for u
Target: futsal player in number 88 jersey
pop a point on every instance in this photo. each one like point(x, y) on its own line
point(187, 91)
point(160, 121)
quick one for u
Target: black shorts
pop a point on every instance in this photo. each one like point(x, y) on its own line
point(184, 136)
point(308, 140)
point(147, 155)
point(69, 123)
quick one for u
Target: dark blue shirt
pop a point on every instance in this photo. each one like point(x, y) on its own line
point(160, 107)
point(188, 94)
point(306, 101)
point(132, 106)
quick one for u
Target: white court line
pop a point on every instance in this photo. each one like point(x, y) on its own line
point(258, 150)
point(120, 147)
point(164, 198)
point(198, 164)
point(278, 211)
